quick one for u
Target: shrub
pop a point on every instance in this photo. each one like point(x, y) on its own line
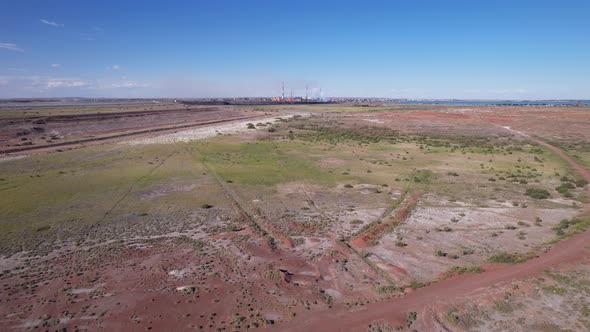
point(567, 185)
point(441, 253)
point(537, 193)
point(468, 251)
point(42, 228)
point(465, 269)
point(511, 258)
point(206, 206)
point(572, 226)
point(386, 289)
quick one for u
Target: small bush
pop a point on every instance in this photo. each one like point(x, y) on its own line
point(572, 226)
point(206, 206)
point(441, 253)
point(43, 228)
point(511, 258)
point(537, 193)
point(465, 269)
point(387, 289)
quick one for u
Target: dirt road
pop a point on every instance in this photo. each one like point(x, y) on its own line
point(453, 290)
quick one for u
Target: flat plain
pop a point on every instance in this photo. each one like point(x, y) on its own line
point(297, 217)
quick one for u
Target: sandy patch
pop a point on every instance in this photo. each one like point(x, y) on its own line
point(4, 159)
point(231, 128)
point(373, 120)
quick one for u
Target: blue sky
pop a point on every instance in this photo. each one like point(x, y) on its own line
point(400, 49)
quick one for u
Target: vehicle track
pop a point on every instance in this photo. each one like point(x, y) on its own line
point(103, 115)
point(454, 289)
point(258, 227)
point(124, 134)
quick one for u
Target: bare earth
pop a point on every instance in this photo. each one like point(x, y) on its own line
point(300, 218)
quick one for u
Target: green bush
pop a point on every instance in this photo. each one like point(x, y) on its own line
point(572, 226)
point(465, 269)
point(511, 258)
point(386, 289)
point(537, 193)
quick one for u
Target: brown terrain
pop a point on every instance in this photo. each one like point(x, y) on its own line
point(453, 289)
point(338, 219)
point(67, 130)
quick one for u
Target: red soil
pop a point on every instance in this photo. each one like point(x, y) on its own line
point(454, 289)
point(365, 239)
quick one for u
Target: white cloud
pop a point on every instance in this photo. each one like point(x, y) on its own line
point(54, 24)
point(128, 84)
point(11, 47)
point(52, 86)
point(66, 83)
point(55, 65)
point(114, 67)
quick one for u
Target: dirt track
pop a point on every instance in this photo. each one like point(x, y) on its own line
point(51, 132)
point(342, 318)
point(122, 134)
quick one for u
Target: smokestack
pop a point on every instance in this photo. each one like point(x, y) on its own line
point(291, 93)
point(306, 89)
point(283, 91)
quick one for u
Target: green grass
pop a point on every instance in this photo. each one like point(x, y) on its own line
point(78, 187)
point(264, 162)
